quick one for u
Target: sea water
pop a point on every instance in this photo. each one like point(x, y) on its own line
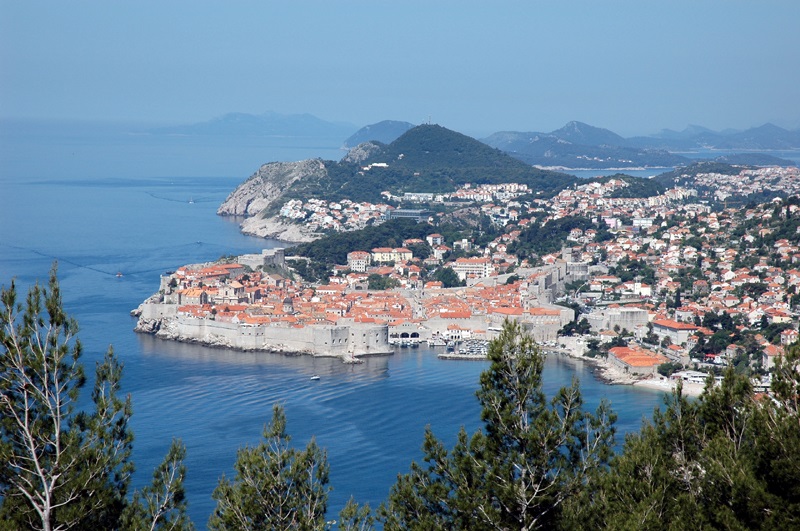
point(370, 417)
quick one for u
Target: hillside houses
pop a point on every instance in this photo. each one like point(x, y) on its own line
point(669, 272)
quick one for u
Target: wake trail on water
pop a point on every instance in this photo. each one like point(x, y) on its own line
point(115, 273)
point(173, 200)
point(56, 258)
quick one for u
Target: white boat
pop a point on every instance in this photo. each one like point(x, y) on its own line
point(315, 377)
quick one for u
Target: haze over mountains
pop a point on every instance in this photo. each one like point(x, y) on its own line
point(236, 143)
point(266, 124)
point(576, 145)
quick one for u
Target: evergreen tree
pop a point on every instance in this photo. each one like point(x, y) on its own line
point(517, 473)
point(728, 460)
point(448, 277)
point(161, 505)
point(62, 467)
point(275, 487)
point(355, 517)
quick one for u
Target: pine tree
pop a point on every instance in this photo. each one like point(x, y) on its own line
point(355, 517)
point(60, 467)
point(275, 486)
point(63, 467)
point(161, 505)
point(532, 455)
point(728, 460)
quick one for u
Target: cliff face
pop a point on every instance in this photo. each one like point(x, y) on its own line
point(267, 186)
point(273, 227)
point(361, 152)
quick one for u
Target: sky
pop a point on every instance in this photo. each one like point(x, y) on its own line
point(477, 67)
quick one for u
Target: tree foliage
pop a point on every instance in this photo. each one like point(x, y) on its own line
point(275, 486)
point(162, 505)
point(378, 282)
point(333, 249)
point(448, 277)
point(532, 455)
point(538, 238)
point(62, 467)
point(727, 460)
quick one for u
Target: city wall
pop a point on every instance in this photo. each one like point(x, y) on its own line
point(356, 339)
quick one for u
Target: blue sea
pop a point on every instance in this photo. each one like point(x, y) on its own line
point(112, 207)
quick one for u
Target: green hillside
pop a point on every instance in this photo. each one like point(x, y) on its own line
point(427, 158)
point(431, 158)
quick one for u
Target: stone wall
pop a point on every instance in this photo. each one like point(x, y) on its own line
point(355, 339)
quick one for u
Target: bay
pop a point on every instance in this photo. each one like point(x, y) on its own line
point(644, 173)
point(707, 154)
point(371, 417)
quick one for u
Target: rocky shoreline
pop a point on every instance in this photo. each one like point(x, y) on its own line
point(608, 374)
point(264, 190)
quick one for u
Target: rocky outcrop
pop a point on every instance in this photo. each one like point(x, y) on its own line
point(148, 326)
point(361, 152)
point(268, 185)
point(273, 227)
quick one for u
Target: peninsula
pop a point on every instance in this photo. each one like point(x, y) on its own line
point(252, 302)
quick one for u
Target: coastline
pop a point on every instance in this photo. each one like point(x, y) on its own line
point(667, 385)
point(608, 374)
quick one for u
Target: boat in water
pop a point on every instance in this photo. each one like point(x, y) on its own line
point(315, 377)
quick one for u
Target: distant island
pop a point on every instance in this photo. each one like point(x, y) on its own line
point(384, 132)
point(578, 145)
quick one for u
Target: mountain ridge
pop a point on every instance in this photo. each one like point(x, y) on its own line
point(579, 145)
point(386, 132)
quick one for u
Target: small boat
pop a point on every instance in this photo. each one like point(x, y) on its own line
point(315, 377)
point(119, 274)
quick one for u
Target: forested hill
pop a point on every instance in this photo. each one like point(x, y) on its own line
point(431, 158)
point(686, 174)
point(427, 158)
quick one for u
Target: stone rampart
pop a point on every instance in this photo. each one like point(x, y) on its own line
point(345, 341)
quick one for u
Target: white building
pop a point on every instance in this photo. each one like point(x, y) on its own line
point(472, 267)
point(358, 261)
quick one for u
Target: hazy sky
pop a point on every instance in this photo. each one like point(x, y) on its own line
point(476, 67)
